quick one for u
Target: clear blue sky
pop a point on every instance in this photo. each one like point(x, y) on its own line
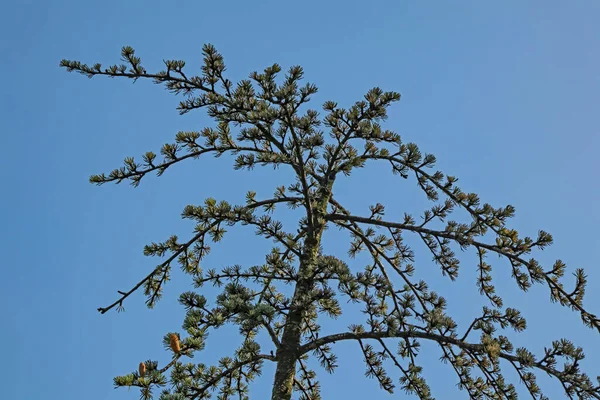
point(505, 94)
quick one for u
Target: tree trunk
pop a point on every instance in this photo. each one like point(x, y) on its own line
point(287, 354)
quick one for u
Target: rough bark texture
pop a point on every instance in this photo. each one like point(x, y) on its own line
point(288, 351)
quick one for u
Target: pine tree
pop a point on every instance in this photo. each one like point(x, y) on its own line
point(400, 311)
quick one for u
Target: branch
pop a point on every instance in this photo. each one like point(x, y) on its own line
point(301, 169)
point(183, 248)
point(594, 321)
point(355, 229)
point(375, 251)
point(441, 339)
point(124, 295)
point(228, 371)
point(246, 275)
point(302, 388)
point(136, 175)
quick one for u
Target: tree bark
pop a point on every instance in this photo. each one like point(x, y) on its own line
point(288, 351)
point(287, 354)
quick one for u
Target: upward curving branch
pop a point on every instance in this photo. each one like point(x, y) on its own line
point(209, 219)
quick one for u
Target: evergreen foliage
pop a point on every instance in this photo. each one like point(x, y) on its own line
point(258, 120)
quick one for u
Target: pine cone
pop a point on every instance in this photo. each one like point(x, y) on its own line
point(175, 343)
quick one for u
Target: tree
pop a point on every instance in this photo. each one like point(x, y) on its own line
point(272, 131)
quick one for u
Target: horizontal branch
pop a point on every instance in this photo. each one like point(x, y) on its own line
point(407, 227)
point(594, 321)
point(440, 339)
point(245, 275)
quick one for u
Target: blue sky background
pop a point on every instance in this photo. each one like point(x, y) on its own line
point(505, 94)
